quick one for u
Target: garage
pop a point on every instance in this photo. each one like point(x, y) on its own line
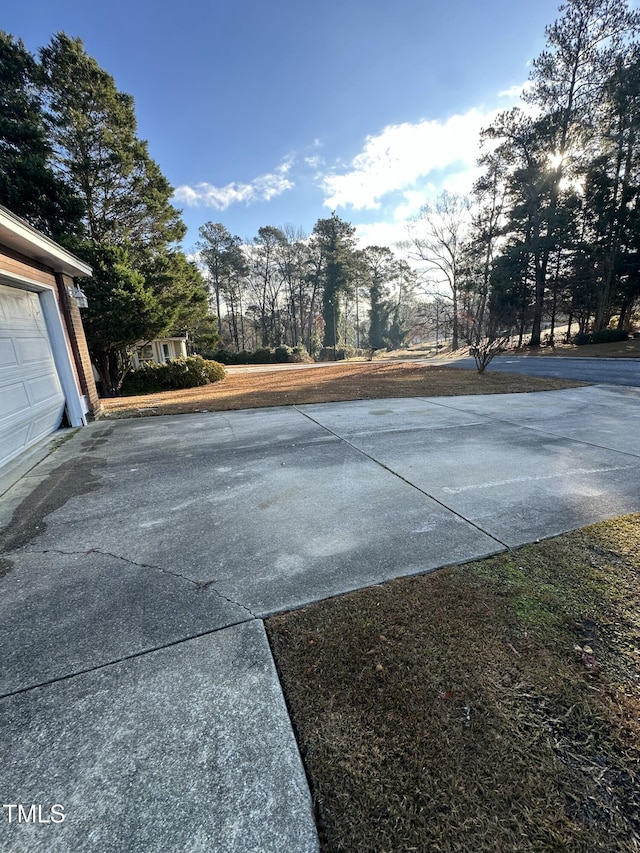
point(45, 371)
point(31, 397)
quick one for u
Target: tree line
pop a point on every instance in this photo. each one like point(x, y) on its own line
point(317, 292)
point(551, 229)
point(554, 225)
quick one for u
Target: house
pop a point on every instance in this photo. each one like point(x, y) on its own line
point(45, 370)
point(159, 350)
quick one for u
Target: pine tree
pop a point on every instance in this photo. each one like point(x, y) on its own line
point(28, 185)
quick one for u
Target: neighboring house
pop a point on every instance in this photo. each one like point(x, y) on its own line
point(45, 371)
point(159, 350)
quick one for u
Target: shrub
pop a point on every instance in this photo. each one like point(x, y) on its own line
point(299, 355)
point(327, 353)
point(605, 336)
point(581, 339)
point(173, 374)
point(224, 356)
point(259, 356)
point(262, 356)
point(214, 370)
point(281, 354)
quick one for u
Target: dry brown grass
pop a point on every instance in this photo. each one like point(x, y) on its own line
point(487, 707)
point(255, 388)
point(620, 349)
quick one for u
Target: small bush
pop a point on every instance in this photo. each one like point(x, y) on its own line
point(262, 356)
point(605, 336)
point(299, 355)
point(339, 354)
point(281, 354)
point(174, 374)
point(214, 370)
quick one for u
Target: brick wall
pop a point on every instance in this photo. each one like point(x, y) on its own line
point(78, 342)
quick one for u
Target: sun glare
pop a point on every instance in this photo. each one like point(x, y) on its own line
point(555, 160)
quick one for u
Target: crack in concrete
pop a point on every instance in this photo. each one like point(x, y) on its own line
point(199, 586)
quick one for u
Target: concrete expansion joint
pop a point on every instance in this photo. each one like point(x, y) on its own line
point(68, 676)
point(537, 429)
point(402, 479)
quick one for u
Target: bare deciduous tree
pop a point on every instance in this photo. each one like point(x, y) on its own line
point(436, 238)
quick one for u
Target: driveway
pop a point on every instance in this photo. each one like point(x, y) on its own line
point(608, 371)
point(139, 693)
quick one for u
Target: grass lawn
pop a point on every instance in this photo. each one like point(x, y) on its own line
point(257, 387)
point(493, 706)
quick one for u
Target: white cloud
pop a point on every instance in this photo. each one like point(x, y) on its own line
point(315, 162)
point(263, 188)
point(515, 92)
point(402, 156)
point(381, 234)
point(413, 201)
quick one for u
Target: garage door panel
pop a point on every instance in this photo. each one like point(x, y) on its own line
point(8, 354)
point(14, 440)
point(13, 399)
point(22, 305)
point(33, 350)
point(44, 388)
point(45, 423)
point(31, 397)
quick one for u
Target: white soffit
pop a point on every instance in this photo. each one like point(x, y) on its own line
point(18, 235)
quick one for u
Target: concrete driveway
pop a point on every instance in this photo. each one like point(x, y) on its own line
point(139, 694)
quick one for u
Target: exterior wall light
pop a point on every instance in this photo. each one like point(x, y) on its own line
point(78, 294)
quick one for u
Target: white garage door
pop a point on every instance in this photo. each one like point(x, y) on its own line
point(31, 397)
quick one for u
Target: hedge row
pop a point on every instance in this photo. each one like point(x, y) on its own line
point(173, 374)
point(606, 336)
point(264, 355)
point(340, 353)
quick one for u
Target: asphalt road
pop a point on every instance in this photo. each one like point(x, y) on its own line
point(601, 371)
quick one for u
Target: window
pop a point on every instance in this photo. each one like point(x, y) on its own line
point(145, 353)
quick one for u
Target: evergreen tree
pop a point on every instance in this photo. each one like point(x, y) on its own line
point(93, 130)
point(28, 185)
point(130, 227)
point(551, 157)
point(334, 240)
point(380, 268)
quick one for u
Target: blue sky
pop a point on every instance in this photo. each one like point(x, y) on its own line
point(267, 112)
